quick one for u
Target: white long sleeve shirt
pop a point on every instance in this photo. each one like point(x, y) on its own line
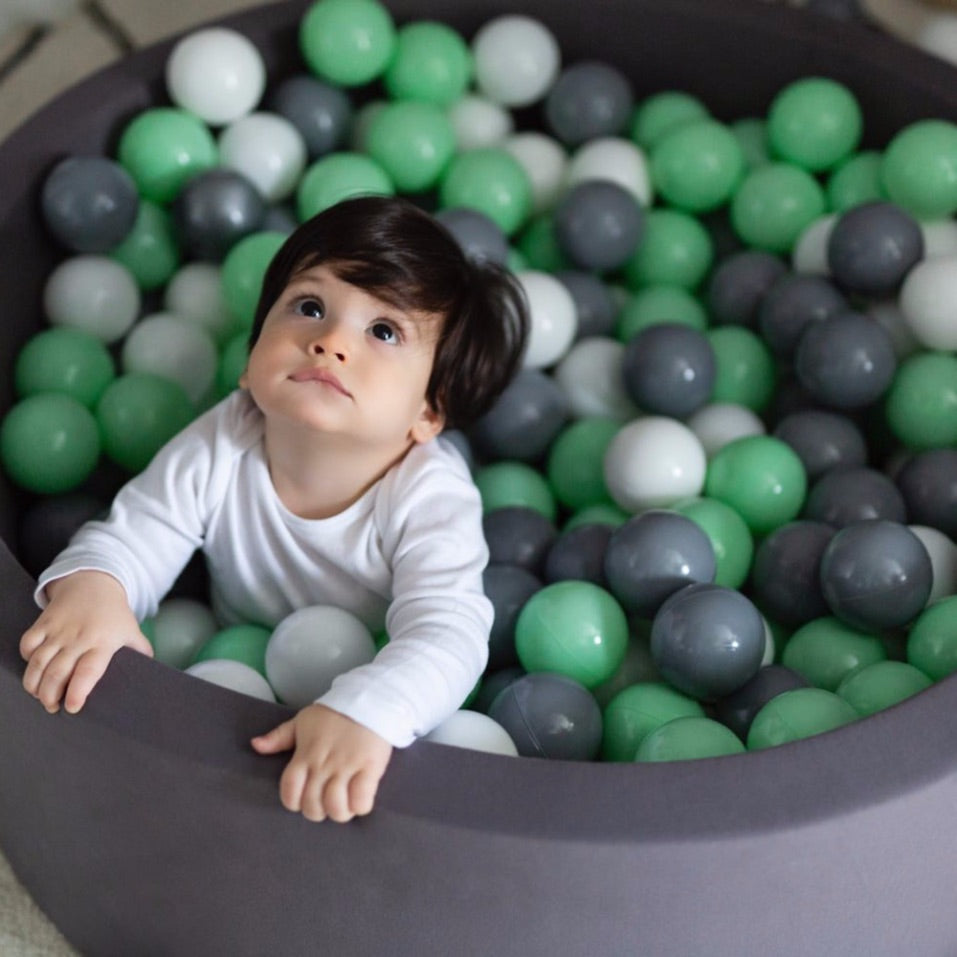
point(408, 554)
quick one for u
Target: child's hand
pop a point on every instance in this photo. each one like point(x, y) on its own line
point(68, 648)
point(336, 768)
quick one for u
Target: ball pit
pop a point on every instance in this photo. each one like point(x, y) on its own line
point(549, 857)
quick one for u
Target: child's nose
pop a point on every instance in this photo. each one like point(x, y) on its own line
point(329, 341)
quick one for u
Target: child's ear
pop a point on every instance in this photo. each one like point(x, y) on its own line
point(243, 378)
point(428, 425)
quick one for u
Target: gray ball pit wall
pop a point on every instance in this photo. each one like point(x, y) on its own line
point(146, 825)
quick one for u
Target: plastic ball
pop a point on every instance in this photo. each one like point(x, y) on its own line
point(809, 252)
point(729, 536)
point(675, 250)
point(824, 441)
point(267, 150)
point(151, 249)
point(310, 648)
point(245, 643)
point(552, 318)
point(321, 113)
point(49, 443)
point(660, 303)
point(348, 42)
point(686, 739)
point(578, 554)
point(517, 59)
point(927, 302)
point(598, 225)
point(517, 535)
point(844, 496)
point(876, 575)
point(634, 712)
point(797, 714)
point(669, 369)
point(492, 683)
point(574, 463)
point(928, 483)
point(93, 294)
point(785, 578)
point(89, 203)
point(508, 588)
point(477, 235)
point(738, 285)
point(194, 292)
point(752, 135)
point(549, 716)
point(595, 305)
point(217, 74)
point(761, 478)
point(572, 628)
point(479, 123)
point(491, 181)
point(590, 376)
point(545, 163)
point(537, 245)
point(738, 709)
point(882, 685)
point(67, 361)
point(815, 123)
point(654, 555)
point(825, 651)
point(137, 414)
point(855, 181)
point(337, 177)
point(921, 404)
point(918, 168)
point(514, 483)
point(932, 640)
point(940, 237)
point(653, 462)
point(793, 303)
point(180, 627)
point(234, 676)
point(943, 560)
point(242, 274)
point(719, 423)
point(431, 63)
point(163, 148)
point(615, 160)
point(659, 114)
point(872, 247)
point(590, 99)
point(477, 732)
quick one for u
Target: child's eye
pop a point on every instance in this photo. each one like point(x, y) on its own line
point(310, 307)
point(385, 332)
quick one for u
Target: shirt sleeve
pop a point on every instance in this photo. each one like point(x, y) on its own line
point(439, 618)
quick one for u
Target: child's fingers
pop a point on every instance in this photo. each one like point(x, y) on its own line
point(281, 738)
point(294, 787)
point(53, 681)
point(335, 798)
point(37, 662)
point(362, 791)
point(30, 641)
point(87, 671)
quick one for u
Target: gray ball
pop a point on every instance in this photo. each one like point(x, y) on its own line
point(737, 710)
point(823, 440)
point(598, 225)
point(508, 588)
point(594, 303)
point(579, 555)
point(322, 113)
point(844, 496)
point(588, 100)
point(478, 236)
point(928, 482)
point(791, 304)
point(517, 535)
point(707, 641)
point(739, 284)
point(549, 716)
point(89, 203)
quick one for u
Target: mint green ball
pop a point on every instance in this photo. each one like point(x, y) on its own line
point(601, 514)
point(921, 404)
point(574, 465)
point(662, 113)
point(882, 685)
point(491, 181)
point(729, 535)
point(761, 478)
point(164, 147)
point(687, 739)
point(503, 484)
point(49, 443)
point(657, 304)
point(243, 643)
point(232, 364)
point(573, 628)
point(150, 250)
point(340, 176)
point(932, 639)
point(745, 369)
point(752, 136)
point(814, 123)
point(347, 42)
point(431, 63)
point(919, 170)
point(539, 246)
point(675, 250)
point(855, 181)
point(69, 361)
point(797, 714)
point(636, 711)
point(242, 274)
point(825, 651)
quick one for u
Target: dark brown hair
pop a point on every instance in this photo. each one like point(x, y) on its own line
point(400, 254)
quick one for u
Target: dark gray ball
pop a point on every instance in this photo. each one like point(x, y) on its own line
point(844, 496)
point(524, 420)
point(588, 100)
point(707, 640)
point(786, 573)
point(739, 284)
point(872, 247)
point(279, 219)
point(478, 236)
point(876, 575)
point(89, 203)
point(846, 361)
point(508, 588)
point(737, 710)
point(579, 554)
point(928, 482)
point(594, 303)
point(791, 304)
point(823, 440)
point(517, 535)
point(214, 211)
point(550, 716)
point(322, 113)
point(654, 554)
point(598, 225)
point(669, 369)
point(492, 684)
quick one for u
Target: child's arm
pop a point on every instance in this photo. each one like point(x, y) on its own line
point(68, 648)
point(337, 764)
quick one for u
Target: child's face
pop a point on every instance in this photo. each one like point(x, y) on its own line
point(333, 358)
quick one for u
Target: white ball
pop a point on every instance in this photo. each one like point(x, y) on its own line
point(175, 348)
point(94, 294)
point(654, 462)
point(809, 256)
point(181, 626)
point(770, 646)
point(615, 159)
point(233, 675)
point(887, 313)
point(591, 379)
point(940, 237)
point(938, 35)
point(195, 292)
point(719, 423)
point(310, 648)
point(544, 160)
point(477, 122)
point(553, 319)
point(928, 300)
point(477, 732)
point(517, 59)
point(268, 150)
point(943, 560)
point(216, 73)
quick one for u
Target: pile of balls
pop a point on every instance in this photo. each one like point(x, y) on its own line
point(721, 496)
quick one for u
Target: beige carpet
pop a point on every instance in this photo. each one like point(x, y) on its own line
point(24, 931)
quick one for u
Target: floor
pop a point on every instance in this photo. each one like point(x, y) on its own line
point(48, 45)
